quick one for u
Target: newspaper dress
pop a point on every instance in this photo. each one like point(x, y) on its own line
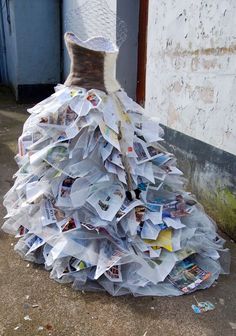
point(97, 199)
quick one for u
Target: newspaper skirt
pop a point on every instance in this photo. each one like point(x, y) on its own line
point(99, 201)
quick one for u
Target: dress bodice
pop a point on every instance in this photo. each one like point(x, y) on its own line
point(93, 63)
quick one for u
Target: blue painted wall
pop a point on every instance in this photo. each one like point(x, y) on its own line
point(10, 40)
point(33, 41)
point(32, 34)
point(3, 64)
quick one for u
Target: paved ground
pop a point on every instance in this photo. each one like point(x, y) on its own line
point(64, 312)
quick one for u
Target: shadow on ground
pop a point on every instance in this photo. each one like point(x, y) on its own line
point(61, 311)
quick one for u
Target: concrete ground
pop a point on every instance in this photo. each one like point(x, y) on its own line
point(61, 311)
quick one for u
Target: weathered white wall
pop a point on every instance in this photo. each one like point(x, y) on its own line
point(191, 68)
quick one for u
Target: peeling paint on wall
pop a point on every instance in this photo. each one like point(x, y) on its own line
point(191, 68)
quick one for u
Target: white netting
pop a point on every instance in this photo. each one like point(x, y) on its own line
point(95, 18)
point(95, 43)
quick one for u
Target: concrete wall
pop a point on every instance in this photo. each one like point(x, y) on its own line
point(191, 69)
point(127, 10)
point(191, 86)
point(32, 42)
point(210, 176)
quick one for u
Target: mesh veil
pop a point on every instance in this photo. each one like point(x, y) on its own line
point(95, 18)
